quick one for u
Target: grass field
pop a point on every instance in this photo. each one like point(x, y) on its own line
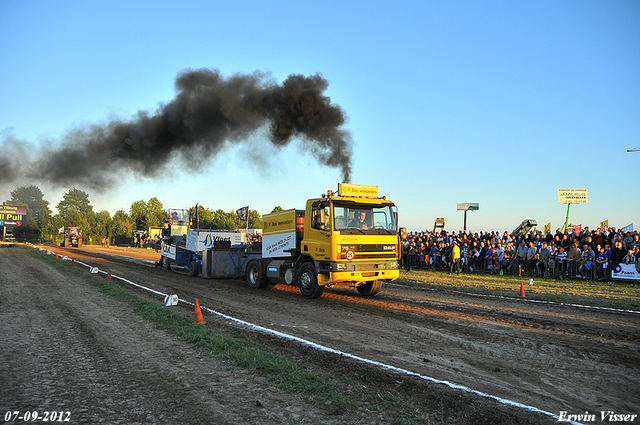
point(623, 295)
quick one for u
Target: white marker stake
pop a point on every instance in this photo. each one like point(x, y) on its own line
point(170, 300)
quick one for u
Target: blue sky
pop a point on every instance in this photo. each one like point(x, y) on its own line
point(499, 103)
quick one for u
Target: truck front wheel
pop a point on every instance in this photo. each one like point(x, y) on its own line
point(193, 268)
point(308, 281)
point(370, 288)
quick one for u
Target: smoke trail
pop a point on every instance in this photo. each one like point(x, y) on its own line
point(207, 112)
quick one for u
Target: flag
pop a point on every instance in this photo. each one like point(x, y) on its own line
point(578, 228)
point(243, 213)
point(195, 214)
point(61, 230)
point(627, 228)
point(547, 228)
point(604, 226)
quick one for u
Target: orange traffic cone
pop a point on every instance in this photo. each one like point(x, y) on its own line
point(56, 255)
point(109, 276)
point(522, 289)
point(199, 319)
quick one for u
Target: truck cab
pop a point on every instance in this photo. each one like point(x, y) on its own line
point(351, 239)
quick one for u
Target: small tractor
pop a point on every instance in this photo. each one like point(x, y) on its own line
point(72, 237)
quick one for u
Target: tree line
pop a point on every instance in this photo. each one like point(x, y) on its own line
point(75, 210)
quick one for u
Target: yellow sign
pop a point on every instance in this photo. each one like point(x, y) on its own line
point(365, 191)
point(283, 221)
point(572, 196)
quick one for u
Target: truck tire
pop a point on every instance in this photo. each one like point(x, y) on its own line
point(193, 268)
point(255, 276)
point(166, 263)
point(370, 288)
point(308, 281)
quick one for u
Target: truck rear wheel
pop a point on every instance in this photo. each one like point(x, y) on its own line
point(254, 275)
point(308, 281)
point(166, 263)
point(370, 288)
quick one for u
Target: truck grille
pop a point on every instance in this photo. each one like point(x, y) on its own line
point(368, 251)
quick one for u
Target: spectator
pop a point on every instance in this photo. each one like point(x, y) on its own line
point(630, 258)
point(602, 263)
point(521, 253)
point(510, 257)
point(488, 257)
point(455, 258)
point(617, 255)
point(553, 258)
point(572, 261)
point(482, 252)
point(472, 254)
point(499, 258)
point(531, 258)
point(562, 261)
point(586, 261)
point(543, 260)
point(435, 252)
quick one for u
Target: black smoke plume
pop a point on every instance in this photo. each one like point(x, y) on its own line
point(207, 112)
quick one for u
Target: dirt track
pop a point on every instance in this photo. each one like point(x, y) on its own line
point(555, 358)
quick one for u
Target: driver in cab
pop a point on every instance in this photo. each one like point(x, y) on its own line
point(358, 220)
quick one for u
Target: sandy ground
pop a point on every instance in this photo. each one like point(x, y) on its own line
point(76, 350)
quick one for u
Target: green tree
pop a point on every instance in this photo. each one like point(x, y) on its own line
point(225, 220)
point(255, 220)
point(147, 214)
point(75, 199)
point(102, 225)
point(276, 209)
point(122, 227)
point(75, 210)
point(155, 212)
point(205, 217)
point(38, 212)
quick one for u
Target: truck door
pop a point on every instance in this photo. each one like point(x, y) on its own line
point(317, 238)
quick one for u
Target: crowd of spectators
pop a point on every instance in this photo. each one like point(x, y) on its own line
point(583, 255)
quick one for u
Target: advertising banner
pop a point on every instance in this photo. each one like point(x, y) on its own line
point(278, 233)
point(467, 206)
point(625, 271)
point(198, 241)
point(572, 196)
point(12, 216)
point(365, 191)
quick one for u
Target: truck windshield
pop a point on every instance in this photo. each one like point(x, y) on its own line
point(364, 217)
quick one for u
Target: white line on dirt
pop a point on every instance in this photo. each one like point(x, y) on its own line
point(351, 356)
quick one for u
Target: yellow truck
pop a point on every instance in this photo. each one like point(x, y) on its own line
point(345, 238)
